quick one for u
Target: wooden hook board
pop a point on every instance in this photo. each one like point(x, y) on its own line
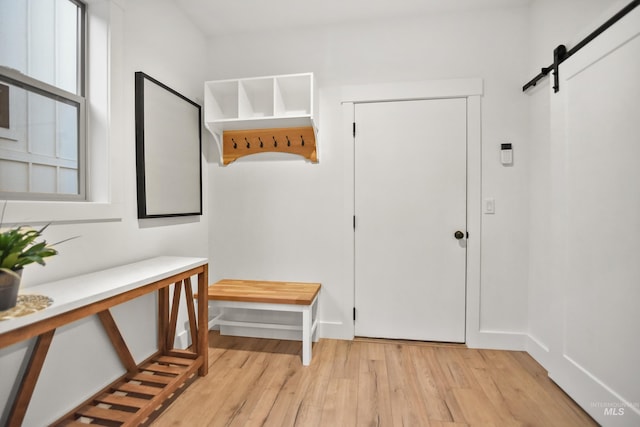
point(295, 140)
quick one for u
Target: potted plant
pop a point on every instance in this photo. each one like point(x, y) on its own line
point(18, 247)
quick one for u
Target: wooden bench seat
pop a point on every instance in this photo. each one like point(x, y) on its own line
point(268, 295)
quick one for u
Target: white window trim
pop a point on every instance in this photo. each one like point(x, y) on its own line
point(105, 20)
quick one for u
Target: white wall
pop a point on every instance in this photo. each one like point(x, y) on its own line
point(81, 360)
point(289, 219)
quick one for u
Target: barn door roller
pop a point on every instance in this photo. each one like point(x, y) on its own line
point(561, 54)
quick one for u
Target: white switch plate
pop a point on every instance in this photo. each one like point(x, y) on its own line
point(489, 205)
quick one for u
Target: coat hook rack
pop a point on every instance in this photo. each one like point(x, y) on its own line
point(254, 143)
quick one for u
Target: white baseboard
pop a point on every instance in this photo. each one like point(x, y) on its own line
point(182, 340)
point(498, 340)
point(335, 330)
point(495, 340)
point(332, 330)
point(603, 403)
point(538, 350)
point(213, 327)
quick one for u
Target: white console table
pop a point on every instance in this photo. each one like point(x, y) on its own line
point(152, 381)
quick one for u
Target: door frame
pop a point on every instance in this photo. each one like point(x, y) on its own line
point(472, 90)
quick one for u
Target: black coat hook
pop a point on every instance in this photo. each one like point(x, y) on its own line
point(248, 144)
point(288, 142)
point(302, 140)
point(261, 144)
point(235, 145)
point(275, 142)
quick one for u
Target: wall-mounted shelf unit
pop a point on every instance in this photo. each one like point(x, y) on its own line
point(262, 114)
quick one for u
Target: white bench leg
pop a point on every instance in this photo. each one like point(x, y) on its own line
point(306, 336)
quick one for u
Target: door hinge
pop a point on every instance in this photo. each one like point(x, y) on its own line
point(354, 129)
point(354, 314)
point(354, 222)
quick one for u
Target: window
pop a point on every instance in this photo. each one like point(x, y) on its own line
point(42, 100)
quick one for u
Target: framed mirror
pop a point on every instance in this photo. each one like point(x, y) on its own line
point(168, 151)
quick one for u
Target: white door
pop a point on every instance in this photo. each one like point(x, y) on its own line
point(596, 224)
point(410, 200)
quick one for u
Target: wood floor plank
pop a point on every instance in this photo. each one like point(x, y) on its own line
point(373, 400)
point(237, 397)
point(432, 395)
point(346, 361)
point(405, 410)
point(293, 391)
point(260, 399)
point(259, 382)
point(309, 408)
point(571, 411)
point(484, 377)
point(338, 401)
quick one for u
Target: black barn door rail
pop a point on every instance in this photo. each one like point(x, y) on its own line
point(561, 54)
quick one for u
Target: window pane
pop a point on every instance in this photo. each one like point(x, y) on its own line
point(14, 176)
point(43, 178)
point(67, 132)
point(41, 145)
point(40, 38)
point(67, 181)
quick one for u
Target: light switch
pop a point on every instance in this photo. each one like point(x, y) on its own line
point(489, 205)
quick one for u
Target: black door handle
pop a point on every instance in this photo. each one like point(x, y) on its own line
point(458, 235)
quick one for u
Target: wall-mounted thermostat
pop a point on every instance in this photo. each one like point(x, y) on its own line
point(506, 153)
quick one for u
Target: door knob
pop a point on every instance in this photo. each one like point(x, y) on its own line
point(458, 234)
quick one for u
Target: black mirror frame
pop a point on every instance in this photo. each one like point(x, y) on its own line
point(142, 163)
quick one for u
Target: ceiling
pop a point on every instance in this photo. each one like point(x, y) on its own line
point(216, 17)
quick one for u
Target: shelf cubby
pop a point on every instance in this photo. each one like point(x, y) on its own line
point(293, 95)
point(255, 98)
point(261, 103)
point(221, 100)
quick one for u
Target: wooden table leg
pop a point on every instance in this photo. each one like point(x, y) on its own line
point(203, 321)
point(191, 313)
point(163, 318)
point(117, 341)
point(28, 384)
point(173, 319)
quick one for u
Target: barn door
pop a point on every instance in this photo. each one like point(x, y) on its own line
point(596, 223)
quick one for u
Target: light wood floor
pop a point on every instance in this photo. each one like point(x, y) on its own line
point(256, 382)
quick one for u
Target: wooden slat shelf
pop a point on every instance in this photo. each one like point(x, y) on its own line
point(154, 379)
point(149, 391)
point(118, 400)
